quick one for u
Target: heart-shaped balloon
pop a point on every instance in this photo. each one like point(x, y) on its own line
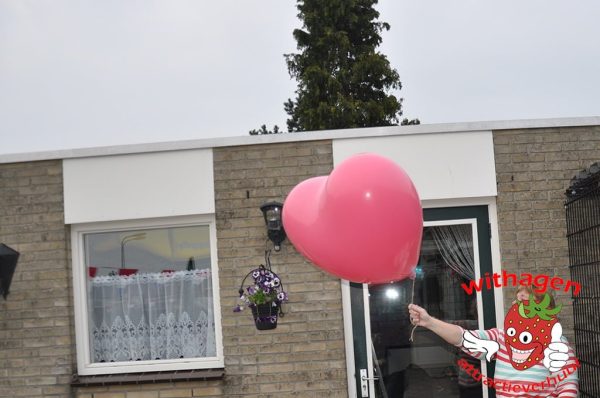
point(363, 222)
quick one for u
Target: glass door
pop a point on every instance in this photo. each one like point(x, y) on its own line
point(456, 248)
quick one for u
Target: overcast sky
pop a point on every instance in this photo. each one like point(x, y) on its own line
point(93, 73)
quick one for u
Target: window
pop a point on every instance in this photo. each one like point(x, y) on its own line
point(146, 296)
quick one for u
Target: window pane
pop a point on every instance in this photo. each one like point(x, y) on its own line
point(150, 294)
point(427, 366)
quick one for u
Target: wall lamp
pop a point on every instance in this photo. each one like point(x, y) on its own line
point(8, 263)
point(275, 232)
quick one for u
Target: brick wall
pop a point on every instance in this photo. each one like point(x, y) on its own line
point(305, 355)
point(534, 168)
point(35, 321)
point(155, 390)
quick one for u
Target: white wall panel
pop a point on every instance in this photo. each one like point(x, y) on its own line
point(441, 165)
point(135, 186)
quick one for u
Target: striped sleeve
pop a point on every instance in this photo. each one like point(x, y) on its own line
point(569, 387)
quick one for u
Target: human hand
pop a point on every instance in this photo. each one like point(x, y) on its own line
point(557, 352)
point(475, 344)
point(419, 316)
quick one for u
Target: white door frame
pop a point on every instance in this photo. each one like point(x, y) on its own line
point(490, 202)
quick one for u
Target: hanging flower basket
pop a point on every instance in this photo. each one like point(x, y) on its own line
point(265, 315)
point(264, 296)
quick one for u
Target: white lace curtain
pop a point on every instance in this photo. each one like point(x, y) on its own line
point(455, 243)
point(151, 316)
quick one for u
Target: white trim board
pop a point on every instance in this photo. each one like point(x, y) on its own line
point(441, 166)
point(138, 186)
point(298, 137)
point(348, 337)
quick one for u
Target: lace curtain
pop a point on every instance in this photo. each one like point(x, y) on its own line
point(455, 243)
point(151, 316)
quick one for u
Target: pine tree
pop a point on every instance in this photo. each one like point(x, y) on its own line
point(343, 81)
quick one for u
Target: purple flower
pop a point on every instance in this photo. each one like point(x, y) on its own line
point(266, 289)
point(282, 296)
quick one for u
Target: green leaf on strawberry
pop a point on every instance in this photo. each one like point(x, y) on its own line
point(538, 309)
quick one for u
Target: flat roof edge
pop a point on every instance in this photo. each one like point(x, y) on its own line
point(207, 143)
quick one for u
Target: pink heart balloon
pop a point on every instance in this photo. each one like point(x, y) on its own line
point(363, 223)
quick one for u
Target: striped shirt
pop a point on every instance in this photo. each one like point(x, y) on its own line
point(534, 382)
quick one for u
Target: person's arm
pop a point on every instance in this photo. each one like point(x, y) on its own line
point(453, 334)
point(478, 343)
point(569, 387)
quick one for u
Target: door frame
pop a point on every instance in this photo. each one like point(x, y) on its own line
point(358, 326)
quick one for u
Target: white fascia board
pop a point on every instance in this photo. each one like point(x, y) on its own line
point(299, 137)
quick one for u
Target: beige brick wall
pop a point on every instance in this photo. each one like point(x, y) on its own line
point(213, 388)
point(305, 355)
point(534, 168)
point(35, 321)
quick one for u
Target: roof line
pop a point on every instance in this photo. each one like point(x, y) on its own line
point(299, 137)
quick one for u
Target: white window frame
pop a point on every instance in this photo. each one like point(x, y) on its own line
point(84, 362)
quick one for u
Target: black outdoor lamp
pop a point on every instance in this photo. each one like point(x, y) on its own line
point(8, 263)
point(272, 213)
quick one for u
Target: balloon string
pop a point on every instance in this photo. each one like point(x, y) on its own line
point(412, 299)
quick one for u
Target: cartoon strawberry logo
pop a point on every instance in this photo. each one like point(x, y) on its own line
point(528, 326)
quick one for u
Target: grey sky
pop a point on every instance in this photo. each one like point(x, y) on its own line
point(92, 73)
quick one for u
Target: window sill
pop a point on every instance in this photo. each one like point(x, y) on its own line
point(147, 377)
